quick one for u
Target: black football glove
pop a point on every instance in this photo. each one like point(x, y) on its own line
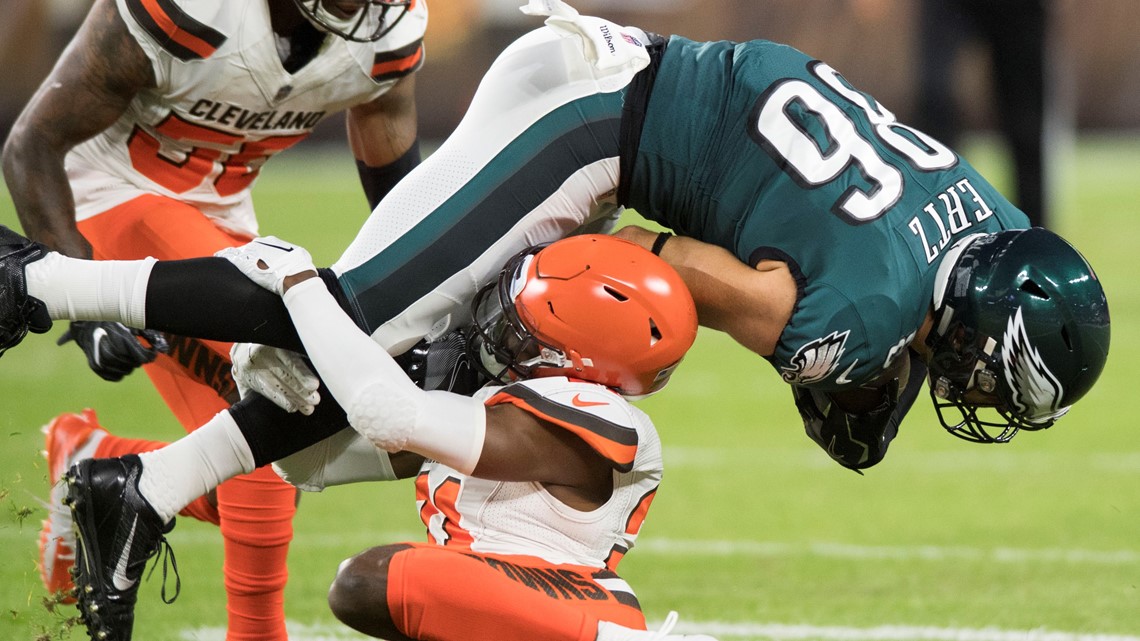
point(114, 350)
point(855, 441)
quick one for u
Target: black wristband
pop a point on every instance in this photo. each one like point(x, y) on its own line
point(378, 181)
point(659, 243)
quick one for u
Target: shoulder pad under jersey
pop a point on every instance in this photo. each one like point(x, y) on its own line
point(185, 30)
point(600, 417)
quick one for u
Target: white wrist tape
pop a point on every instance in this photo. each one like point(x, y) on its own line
point(381, 402)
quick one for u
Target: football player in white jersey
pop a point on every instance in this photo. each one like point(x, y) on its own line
point(534, 489)
point(145, 140)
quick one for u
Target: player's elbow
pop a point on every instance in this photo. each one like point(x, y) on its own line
point(8, 156)
point(24, 150)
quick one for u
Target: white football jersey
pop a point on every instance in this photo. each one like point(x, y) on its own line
point(501, 517)
point(224, 104)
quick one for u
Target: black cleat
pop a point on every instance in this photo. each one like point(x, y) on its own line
point(19, 313)
point(116, 532)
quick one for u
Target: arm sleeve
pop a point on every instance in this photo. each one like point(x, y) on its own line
point(381, 402)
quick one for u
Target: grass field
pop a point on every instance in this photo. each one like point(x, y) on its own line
point(755, 534)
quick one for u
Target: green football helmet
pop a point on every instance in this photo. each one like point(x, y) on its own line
point(1021, 332)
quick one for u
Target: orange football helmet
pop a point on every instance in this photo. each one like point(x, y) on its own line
point(590, 307)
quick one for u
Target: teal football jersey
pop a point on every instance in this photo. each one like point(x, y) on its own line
point(760, 149)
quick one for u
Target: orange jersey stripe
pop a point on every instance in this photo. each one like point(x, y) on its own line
point(637, 517)
point(175, 30)
point(617, 553)
point(400, 62)
point(586, 426)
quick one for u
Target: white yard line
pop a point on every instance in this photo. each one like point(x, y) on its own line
point(756, 632)
point(352, 542)
point(884, 552)
point(793, 632)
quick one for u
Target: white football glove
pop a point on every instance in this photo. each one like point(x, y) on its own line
point(268, 260)
point(277, 374)
point(605, 48)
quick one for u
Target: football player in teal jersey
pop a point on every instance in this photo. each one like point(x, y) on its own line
point(850, 250)
point(856, 254)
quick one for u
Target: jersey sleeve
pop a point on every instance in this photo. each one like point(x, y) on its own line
point(838, 344)
point(401, 51)
point(169, 30)
point(601, 418)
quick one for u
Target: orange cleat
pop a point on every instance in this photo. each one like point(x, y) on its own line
point(68, 439)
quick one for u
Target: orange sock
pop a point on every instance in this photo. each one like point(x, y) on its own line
point(257, 524)
point(442, 595)
point(113, 446)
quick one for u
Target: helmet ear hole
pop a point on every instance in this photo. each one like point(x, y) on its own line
point(618, 296)
point(1033, 289)
point(654, 332)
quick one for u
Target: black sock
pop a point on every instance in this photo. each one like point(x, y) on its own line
point(272, 433)
point(210, 298)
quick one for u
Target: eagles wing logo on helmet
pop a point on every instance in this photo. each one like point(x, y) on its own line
point(816, 359)
point(1035, 390)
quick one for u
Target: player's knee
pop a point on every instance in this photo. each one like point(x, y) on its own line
point(358, 596)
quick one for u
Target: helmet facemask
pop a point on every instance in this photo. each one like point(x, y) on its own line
point(500, 344)
point(372, 21)
point(968, 382)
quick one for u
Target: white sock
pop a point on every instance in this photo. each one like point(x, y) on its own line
point(70, 288)
point(177, 474)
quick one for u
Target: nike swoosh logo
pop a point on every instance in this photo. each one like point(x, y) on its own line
point(119, 578)
point(842, 378)
point(97, 337)
point(578, 402)
point(284, 249)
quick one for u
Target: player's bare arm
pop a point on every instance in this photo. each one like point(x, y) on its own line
point(383, 130)
point(751, 305)
point(519, 446)
point(87, 91)
point(382, 134)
